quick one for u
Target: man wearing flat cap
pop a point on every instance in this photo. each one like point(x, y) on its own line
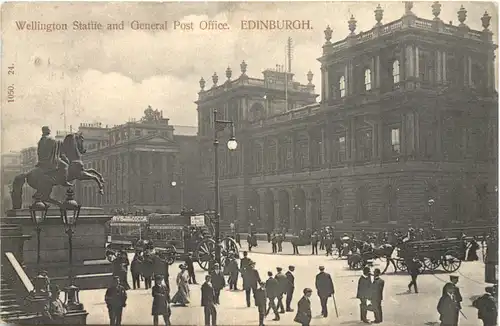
point(282, 288)
point(324, 286)
point(290, 287)
point(116, 299)
point(487, 307)
point(456, 291)
point(304, 314)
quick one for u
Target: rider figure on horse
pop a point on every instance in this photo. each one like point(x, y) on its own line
point(50, 157)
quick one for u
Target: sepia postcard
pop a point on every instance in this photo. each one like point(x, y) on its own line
point(249, 163)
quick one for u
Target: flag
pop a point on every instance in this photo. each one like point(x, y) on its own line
point(219, 126)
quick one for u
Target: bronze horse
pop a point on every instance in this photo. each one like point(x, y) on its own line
point(43, 182)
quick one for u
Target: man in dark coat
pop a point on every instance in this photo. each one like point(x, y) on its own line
point(314, 243)
point(147, 270)
point(208, 302)
point(233, 270)
point(161, 301)
point(116, 300)
point(282, 288)
point(448, 307)
point(487, 307)
point(377, 295)
point(364, 293)
point(250, 281)
point(272, 290)
point(190, 268)
point(55, 309)
point(413, 265)
point(218, 282)
point(274, 243)
point(304, 314)
point(136, 270)
point(290, 287)
point(244, 263)
point(453, 284)
point(260, 300)
point(324, 286)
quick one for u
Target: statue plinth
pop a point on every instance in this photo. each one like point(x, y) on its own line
point(89, 240)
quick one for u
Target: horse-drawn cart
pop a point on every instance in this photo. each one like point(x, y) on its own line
point(446, 253)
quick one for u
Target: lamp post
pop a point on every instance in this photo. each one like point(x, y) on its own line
point(431, 202)
point(220, 125)
point(70, 211)
point(251, 211)
point(38, 213)
point(181, 188)
point(296, 208)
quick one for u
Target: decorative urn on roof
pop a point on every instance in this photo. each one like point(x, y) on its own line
point(486, 20)
point(352, 24)
point(243, 67)
point(379, 14)
point(202, 84)
point(215, 79)
point(328, 34)
point(436, 10)
point(229, 73)
point(462, 15)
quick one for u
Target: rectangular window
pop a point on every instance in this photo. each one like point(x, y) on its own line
point(395, 141)
point(342, 148)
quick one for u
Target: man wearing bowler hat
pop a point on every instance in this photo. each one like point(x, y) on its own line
point(456, 291)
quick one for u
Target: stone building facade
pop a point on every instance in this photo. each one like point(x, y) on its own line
point(405, 133)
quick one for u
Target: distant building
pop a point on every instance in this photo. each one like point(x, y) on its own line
point(406, 132)
point(11, 166)
point(139, 160)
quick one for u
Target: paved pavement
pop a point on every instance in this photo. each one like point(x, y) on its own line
point(399, 307)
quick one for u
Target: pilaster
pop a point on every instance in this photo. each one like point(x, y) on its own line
point(444, 66)
point(417, 62)
point(290, 210)
point(377, 71)
point(380, 139)
point(309, 208)
point(439, 67)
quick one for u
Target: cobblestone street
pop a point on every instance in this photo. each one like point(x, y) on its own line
point(399, 307)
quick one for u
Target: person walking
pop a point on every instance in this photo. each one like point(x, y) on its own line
point(413, 265)
point(161, 301)
point(233, 270)
point(364, 293)
point(487, 307)
point(260, 300)
point(377, 295)
point(190, 268)
point(136, 270)
point(250, 281)
point(208, 302)
point(181, 297)
point(147, 270)
point(282, 288)
point(324, 286)
point(448, 307)
point(218, 282)
point(456, 291)
point(304, 314)
point(290, 287)
point(314, 243)
point(272, 290)
point(116, 300)
point(274, 243)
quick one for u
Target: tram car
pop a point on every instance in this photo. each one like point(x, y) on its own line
point(125, 231)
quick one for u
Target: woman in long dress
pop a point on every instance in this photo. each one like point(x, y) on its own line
point(181, 298)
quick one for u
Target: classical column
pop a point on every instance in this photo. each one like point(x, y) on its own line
point(308, 209)
point(410, 61)
point(347, 89)
point(469, 70)
point(438, 135)
point(403, 134)
point(323, 147)
point(276, 207)
point(409, 133)
point(380, 139)
point(352, 139)
point(377, 71)
point(349, 79)
point(373, 74)
point(439, 66)
point(291, 211)
point(264, 218)
point(417, 62)
point(444, 66)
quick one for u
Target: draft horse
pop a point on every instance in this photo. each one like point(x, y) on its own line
point(43, 182)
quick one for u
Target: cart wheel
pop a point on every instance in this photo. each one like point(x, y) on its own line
point(421, 269)
point(431, 264)
point(170, 254)
point(450, 262)
point(228, 245)
point(205, 252)
point(401, 266)
point(387, 262)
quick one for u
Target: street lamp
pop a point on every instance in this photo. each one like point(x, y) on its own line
point(70, 211)
point(296, 208)
point(181, 188)
point(38, 213)
point(220, 125)
point(431, 202)
point(251, 211)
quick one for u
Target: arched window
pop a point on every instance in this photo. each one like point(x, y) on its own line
point(368, 79)
point(395, 71)
point(342, 86)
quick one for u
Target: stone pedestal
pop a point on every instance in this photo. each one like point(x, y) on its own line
point(90, 267)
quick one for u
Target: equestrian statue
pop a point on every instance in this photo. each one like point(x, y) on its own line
point(59, 163)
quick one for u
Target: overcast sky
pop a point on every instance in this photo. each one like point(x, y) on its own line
point(112, 76)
